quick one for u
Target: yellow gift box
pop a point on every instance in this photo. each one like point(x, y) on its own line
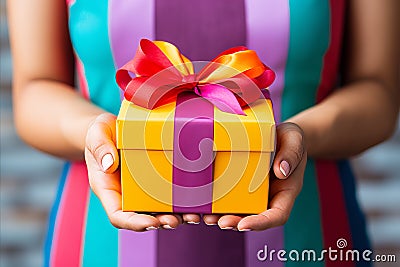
point(242, 149)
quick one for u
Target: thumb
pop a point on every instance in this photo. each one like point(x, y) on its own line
point(290, 149)
point(100, 142)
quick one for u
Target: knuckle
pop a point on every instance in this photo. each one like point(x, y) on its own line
point(285, 218)
point(296, 154)
point(98, 150)
point(115, 221)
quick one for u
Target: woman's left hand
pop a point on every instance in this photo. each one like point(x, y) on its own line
point(104, 178)
point(285, 184)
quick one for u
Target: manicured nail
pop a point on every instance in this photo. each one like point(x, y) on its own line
point(284, 167)
point(166, 226)
point(211, 224)
point(192, 222)
point(244, 230)
point(227, 228)
point(151, 228)
point(107, 161)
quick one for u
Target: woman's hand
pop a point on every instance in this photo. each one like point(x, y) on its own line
point(104, 177)
point(285, 184)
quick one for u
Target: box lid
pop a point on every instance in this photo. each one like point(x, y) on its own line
point(140, 128)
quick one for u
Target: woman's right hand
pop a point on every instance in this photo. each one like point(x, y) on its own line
point(102, 161)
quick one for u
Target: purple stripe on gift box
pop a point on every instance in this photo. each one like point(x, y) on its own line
point(193, 154)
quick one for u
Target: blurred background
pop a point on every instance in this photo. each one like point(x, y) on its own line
point(29, 179)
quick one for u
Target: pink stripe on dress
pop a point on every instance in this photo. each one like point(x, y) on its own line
point(268, 25)
point(67, 245)
point(70, 2)
point(334, 214)
point(135, 249)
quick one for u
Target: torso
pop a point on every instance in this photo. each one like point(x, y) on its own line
point(300, 40)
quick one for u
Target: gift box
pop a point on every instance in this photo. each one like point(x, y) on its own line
point(192, 154)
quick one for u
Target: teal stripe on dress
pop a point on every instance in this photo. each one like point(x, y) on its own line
point(101, 239)
point(90, 39)
point(309, 40)
point(89, 36)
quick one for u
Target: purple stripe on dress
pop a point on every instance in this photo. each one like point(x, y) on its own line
point(192, 173)
point(259, 246)
point(201, 29)
point(129, 21)
point(268, 34)
point(200, 246)
point(137, 249)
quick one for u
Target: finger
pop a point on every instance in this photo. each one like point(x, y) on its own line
point(100, 142)
point(107, 188)
point(277, 215)
point(211, 219)
point(133, 221)
point(169, 221)
point(290, 149)
point(281, 204)
point(227, 222)
point(268, 219)
point(191, 218)
point(111, 201)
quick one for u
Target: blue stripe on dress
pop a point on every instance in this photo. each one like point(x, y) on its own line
point(354, 213)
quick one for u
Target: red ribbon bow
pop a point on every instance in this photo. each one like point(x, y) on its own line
point(231, 81)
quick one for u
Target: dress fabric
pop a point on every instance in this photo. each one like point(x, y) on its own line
point(299, 40)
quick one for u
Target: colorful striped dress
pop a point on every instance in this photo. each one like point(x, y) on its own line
point(300, 40)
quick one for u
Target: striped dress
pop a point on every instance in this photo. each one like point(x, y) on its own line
point(300, 40)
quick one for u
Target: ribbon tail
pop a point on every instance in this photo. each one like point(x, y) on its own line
point(265, 79)
point(221, 97)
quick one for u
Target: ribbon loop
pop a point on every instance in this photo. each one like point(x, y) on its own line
point(231, 81)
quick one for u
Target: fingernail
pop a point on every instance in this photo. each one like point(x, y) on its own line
point(192, 222)
point(227, 228)
point(107, 161)
point(166, 226)
point(244, 230)
point(151, 228)
point(211, 224)
point(284, 167)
